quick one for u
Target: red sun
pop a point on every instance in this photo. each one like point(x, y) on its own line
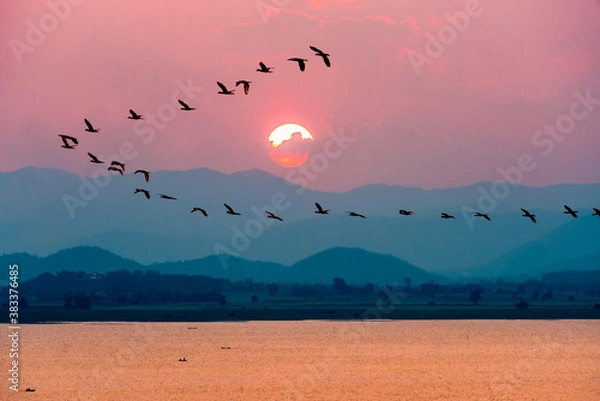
point(291, 145)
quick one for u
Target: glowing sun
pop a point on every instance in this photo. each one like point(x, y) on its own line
point(290, 144)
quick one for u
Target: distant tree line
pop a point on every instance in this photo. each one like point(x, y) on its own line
point(82, 290)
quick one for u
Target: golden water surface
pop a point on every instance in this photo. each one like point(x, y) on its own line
point(310, 360)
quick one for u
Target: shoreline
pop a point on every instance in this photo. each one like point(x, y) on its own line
point(186, 313)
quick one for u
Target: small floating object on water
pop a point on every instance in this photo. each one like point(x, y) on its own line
point(192, 328)
point(225, 347)
point(30, 390)
point(182, 360)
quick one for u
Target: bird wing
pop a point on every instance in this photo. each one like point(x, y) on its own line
point(487, 217)
point(184, 104)
point(326, 60)
point(525, 211)
point(133, 114)
point(533, 219)
point(203, 212)
point(315, 49)
point(223, 87)
point(596, 210)
point(240, 83)
point(229, 208)
point(270, 214)
point(262, 65)
point(94, 158)
point(318, 207)
point(568, 209)
point(88, 124)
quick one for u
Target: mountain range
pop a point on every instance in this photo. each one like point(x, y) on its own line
point(43, 211)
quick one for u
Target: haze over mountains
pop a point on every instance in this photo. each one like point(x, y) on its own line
point(34, 219)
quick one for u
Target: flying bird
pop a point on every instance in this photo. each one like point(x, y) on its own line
point(134, 115)
point(570, 211)
point(146, 193)
point(354, 214)
point(118, 164)
point(198, 209)
point(231, 211)
point(113, 168)
point(163, 196)
point(485, 216)
point(65, 139)
point(596, 212)
point(184, 105)
point(301, 62)
point(94, 159)
point(527, 214)
point(447, 216)
point(90, 127)
point(273, 216)
point(320, 53)
point(320, 209)
point(405, 212)
point(224, 90)
point(146, 174)
point(264, 68)
point(246, 85)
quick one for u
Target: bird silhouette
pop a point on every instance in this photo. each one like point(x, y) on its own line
point(246, 85)
point(596, 212)
point(527, 214)
point(570, 211)
point(354, 214)
point(113, 168)
point(90, 127)
point(198, 209)
point(118, 164)
point(301, 62)
point(447, 216)
point(264, 68)
point(30, 390)
point(184, 105)
point(146, 174)
point(134, 115)
point(224, 90)
point(320, 53)
point(163, 196)
point(273, 216)
point(320, 209)
point(231, 211)
point(485, 216)
point(403, 212)
point(146, 193)
point(182, 360)
point(94, 159)
point(66, 139)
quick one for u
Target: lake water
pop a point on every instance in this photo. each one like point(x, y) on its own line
point(311, 360)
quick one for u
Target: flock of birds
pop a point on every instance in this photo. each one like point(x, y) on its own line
point(70, 142)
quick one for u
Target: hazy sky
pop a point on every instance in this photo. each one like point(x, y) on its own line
point(422, 113)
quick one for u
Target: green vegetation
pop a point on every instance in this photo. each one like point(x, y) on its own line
point(151, 296)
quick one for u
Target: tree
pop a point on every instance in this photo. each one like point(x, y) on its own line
point(536, 294)
point(254, 298)
point(272, 289)
point(339, 285)
point(475, 297)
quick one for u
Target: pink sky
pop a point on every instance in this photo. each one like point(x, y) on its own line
point(473, 109)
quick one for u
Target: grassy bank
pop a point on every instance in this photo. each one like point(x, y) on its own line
point(322, 311)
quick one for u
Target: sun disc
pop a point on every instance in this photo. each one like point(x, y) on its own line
point(285, 132)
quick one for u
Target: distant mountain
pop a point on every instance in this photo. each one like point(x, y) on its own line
point(560, 249)
point(356, 266)
point(45, 210)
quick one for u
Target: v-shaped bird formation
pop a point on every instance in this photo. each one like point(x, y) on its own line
point(71, 142)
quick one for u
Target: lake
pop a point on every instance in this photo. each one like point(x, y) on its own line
point(311, 360)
